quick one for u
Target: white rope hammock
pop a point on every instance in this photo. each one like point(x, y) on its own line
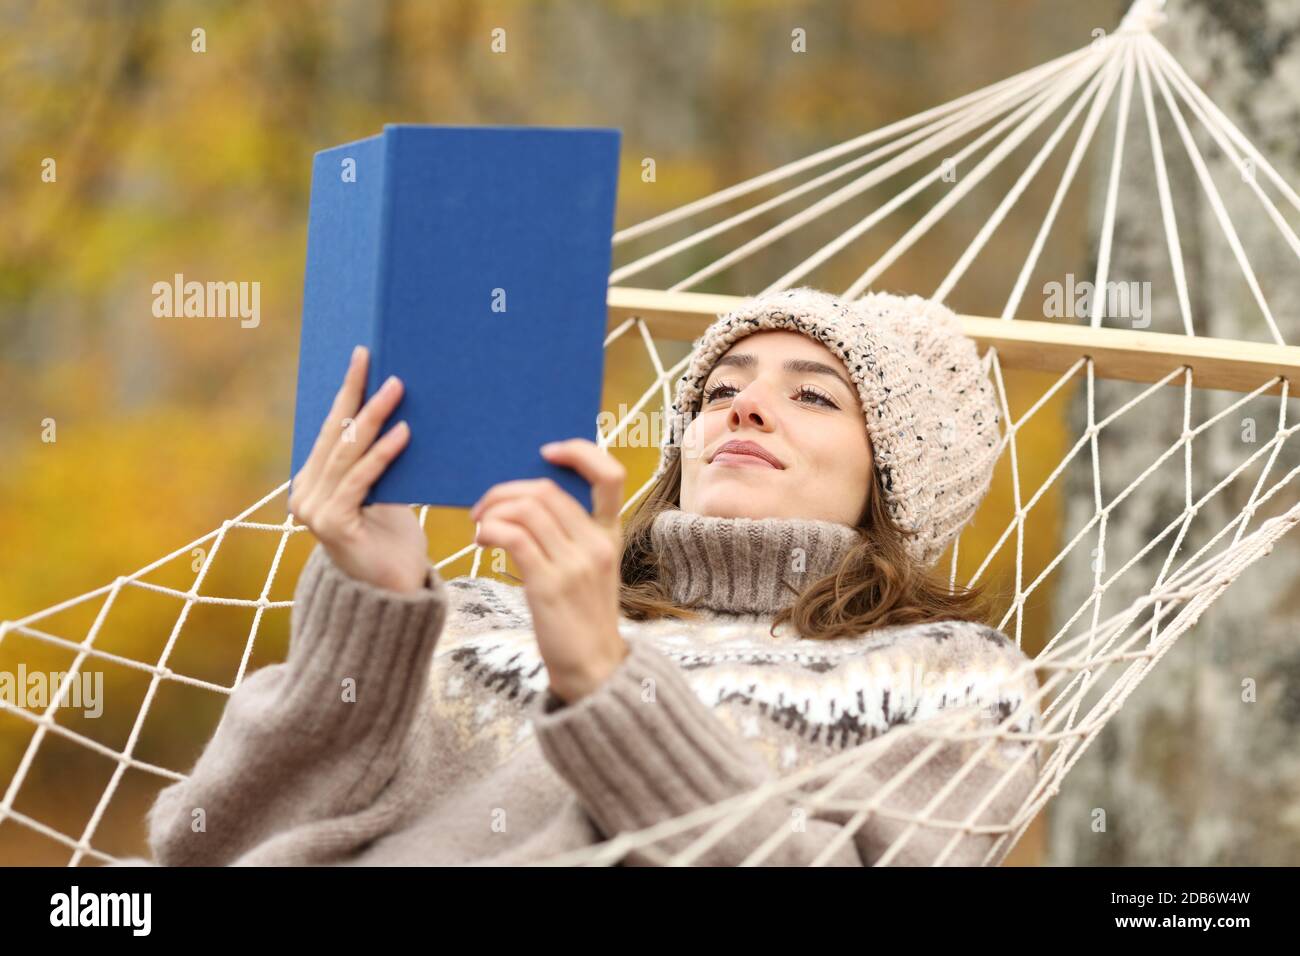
point(1088, 675)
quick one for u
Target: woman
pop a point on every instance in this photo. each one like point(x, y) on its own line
point(767, 607)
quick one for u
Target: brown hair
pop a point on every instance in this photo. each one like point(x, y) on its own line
point(877, 584)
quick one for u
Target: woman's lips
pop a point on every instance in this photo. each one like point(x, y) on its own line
point(741, 459)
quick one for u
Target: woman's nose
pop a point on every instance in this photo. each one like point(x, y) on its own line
point(749, 407)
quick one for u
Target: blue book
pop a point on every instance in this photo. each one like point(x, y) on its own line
point(473, 262)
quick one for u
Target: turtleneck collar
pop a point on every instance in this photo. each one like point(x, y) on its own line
point(745, 565)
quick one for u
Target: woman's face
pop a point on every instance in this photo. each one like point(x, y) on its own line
point(790, 396)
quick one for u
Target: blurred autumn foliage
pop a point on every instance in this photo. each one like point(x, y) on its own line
point(169, 160)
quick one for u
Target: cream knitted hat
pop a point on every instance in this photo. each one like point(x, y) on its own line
point(929, 406)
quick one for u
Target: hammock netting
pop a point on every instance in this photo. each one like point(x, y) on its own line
point(1086, 669)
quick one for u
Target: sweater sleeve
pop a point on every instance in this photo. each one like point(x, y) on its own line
point(314, 737)
point(635, 759)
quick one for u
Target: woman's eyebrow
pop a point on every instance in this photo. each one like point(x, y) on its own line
point(812, 366)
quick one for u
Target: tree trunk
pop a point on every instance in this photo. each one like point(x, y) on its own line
point(1191, 771)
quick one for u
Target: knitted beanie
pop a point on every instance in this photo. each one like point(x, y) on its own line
point(929, 406)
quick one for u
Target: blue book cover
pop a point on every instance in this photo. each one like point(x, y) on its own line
point(473, 262)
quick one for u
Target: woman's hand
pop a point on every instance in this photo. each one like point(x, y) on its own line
point(570, 561)
point(382, 545)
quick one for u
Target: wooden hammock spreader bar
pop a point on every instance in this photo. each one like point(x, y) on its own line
point(1126, 354)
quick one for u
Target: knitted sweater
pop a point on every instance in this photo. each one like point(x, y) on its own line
point(418, 728)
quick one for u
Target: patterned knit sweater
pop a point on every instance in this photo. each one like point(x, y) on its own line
point(416, 729)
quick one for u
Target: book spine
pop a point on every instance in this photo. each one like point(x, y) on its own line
point(379, 301)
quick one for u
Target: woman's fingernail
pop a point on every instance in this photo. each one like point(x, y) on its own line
point(391, 382)
point(550, 446)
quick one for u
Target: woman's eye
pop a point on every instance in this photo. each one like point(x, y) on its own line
point(809, 392)
point(712, 391)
